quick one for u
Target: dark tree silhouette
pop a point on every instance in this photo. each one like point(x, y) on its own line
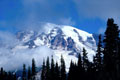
point(98, 57)
point(47, 69)
point(24, 72)
point(43, 74)
point(71, 72)
point(52, 70)
point(110, 49)
point(29, 73)
point(85, 59)
point(80, 69)
point(57, 72)
point(63, 71)
point(33, 67)
point(7, 75)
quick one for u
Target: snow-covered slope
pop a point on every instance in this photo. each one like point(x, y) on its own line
point(61, 39)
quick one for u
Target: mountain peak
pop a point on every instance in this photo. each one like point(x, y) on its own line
point(61, 39)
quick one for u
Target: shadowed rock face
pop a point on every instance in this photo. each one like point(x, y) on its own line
point(58, 42)
point(57, 39)
point(89, 39)
point(70, 44)
point(80, 38)
point(22, 35)
point(30, 44)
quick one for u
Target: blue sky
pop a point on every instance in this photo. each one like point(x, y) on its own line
point(88, 15)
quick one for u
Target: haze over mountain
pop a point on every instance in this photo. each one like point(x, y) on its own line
point(53, 40)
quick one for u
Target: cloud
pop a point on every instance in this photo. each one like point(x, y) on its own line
point(99, 8)
point(12, 58)
point(101, 30)
point(66, 12)
point(8, 39)
point(67, 21)
point(14, 61)
point(36, 11)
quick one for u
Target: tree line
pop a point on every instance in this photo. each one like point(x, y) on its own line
point(30, 73)
point(53, 71)
point(7, 75)
point(27, 74)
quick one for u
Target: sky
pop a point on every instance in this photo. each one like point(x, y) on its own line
point(88, 15)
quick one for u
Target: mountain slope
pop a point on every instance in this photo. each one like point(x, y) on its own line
point(62, 40)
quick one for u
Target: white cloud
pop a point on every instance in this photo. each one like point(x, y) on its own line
point(14, 61)
point(103, 9)
point(7, 38)
point(12, 58)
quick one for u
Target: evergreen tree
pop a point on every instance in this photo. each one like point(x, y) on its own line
point(85, 64)
point(33, 67)
point(98, 61)
point(63, 71)
point(98, 57)
point(57, 72)
point(24, 72)
point(43, 74)
point(91, 72)
point(79, 61)
point(71, 72)
point(118, 61)
point(6, 76)
point(14, 76)
point(47, 69)
point(80, 69)
point(9, 76)
point(52, 70)
point(85, 59)
point(111, 49)
point(1, 73)
point(29, 73)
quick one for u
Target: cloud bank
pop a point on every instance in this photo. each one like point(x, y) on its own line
point(14, 61)
point(12, 58)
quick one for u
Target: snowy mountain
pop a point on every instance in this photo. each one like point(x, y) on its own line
point(61, 39)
